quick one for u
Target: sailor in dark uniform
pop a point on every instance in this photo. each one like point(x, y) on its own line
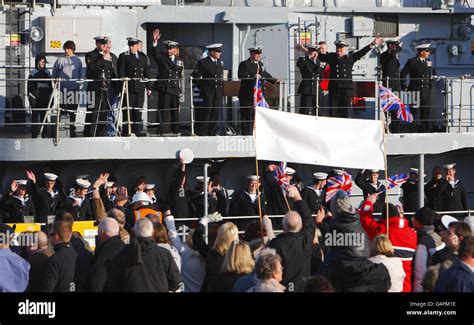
point(391, 74)
point(341, 86)
point(197, 198)
point(410, 193)
point(276, 197)
point(134, 64)
point(420, 72)
point(453, 195)
point(371, 185)
point(315, 194)
point(434, 188)
point(46, 198)
point(78, 204)
point(248, 71)
point(101, 64)
point(17, 204)
point(155, 203)
point(170, 73)
point(211, 70)
point(311, 70)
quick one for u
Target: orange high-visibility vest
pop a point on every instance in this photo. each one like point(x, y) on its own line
point(143, 212)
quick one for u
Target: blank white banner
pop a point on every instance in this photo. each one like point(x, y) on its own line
point(349, 143)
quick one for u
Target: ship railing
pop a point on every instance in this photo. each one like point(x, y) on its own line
point(451, 108)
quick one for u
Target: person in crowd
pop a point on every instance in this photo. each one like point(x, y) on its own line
point(38, 255)
point(269, 271)
point(369, 183)
point(381, 251)
point(78, 204)
point(433, 189)
point(109, 246)
point(14, 274)
point(401, 235)
point(429, 242)
point(118, 215)
point(452, 236)
point(295, 244)
point(238, 262)
point(319, 283)
point(162, 240)
point(460, 277)
point(16, 202)
point(259, 234)
point(277, 203)
point(140, 208)
point(143, 266)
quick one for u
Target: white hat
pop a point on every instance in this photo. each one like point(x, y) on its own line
point(82, 183)
point(150, 187)
point(200, 179)
point(140, 197)
point(289, 171)
point(50, 176)
point(320, 176)
point(187, 155)
point(449, 166)
point(214, 46)
point(170, 44)
point(338, 172)
point(109, 184)
point(470, 221)
point(374, 171)
point(257, 48)
point(341, 43)
point(423, 46)
point(414, 170)
point(132, 40)
point(253, 178)
point(446, 220)
point(21, 182)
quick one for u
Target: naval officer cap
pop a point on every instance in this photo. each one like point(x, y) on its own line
point(312, 47)
point(102, 39)
point(50, 176)
point(21, 182)
point(109, 184)
point(320, 176)
point(170, 44)
point(340, 44)
point(414, 171)
point(290, 171)
point(339, 172)
point(393, 41)
point(200, 179)
point(256, 49)
point(449, 166)
point(82, 183)
point(425, 47)
point(149, 187)
point(376, 171)
point(253, 178)
point(217, 47)
point(132, 41)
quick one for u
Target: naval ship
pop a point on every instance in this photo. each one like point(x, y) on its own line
point(31, 27)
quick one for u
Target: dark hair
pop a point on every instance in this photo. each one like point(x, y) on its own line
point(266, 266)
point(253, 231)
point(140, 180)
point(63, 216)
point(322, 42)
point(69, 45)
point(466, 248)
point(63, 229)
point(425, 216)
point(161, 234)
point(461, 229)
point(319, 283)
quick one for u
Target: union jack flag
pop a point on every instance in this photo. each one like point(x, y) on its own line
point(280, 175)
point(390, 102)
point(258, 99)
point(338, 182)
point(396, 180)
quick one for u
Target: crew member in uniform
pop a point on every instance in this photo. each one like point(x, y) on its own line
point(46, 198)
point(434, 188)
point(78, 204)
point(134, 64)
point(211, 70)
point(420, 72)
point(391, 74)
point(410, 193)
point(315, 194)
point(453, 195)
point(101, 64)
point(17, 204)
point(371, 185)
point(248, 71)
point(341, 86)
point(311, 70)
point(170, 73)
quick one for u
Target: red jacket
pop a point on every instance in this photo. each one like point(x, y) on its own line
point(402, 236)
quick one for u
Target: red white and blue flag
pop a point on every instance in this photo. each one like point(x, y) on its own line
point(258, 99)
point(396, 180)
point(390, 102)
point(338, 182)
point(280, 175)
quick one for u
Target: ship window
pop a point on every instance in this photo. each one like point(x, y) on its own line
point(386, 26)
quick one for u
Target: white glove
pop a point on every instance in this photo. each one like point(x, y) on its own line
point(214, 217)
point(169, 222)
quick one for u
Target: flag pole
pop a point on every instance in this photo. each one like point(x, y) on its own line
point(385, 160)
point(255, 145)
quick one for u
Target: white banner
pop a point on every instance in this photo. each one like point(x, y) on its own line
point(338, 142)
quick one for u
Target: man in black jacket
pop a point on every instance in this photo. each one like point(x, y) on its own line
point(248, 71)
point(410, 192)
point(134, 64)
point(78, 204)
point(16, 204)
point(433, 189)
point(143, 266)
point(46, 198)
point(101, 64)
point(420, 71)
point(341, 86)
point(210, 72)
point(453, 195)
point(315, 194)
point(311, 70)
point(391, 74)
point(60, 268)
point(371, 185)
point(295, 245)
point(277, 204)
point(109, 245)
point(170, 73)
point(178, 195)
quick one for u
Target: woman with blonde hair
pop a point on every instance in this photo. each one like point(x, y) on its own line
point(214, 256)
point(238, 262)
point(381, 251)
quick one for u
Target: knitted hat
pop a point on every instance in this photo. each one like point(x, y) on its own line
point(392, 211)
point(425, 216)
point(341, 203)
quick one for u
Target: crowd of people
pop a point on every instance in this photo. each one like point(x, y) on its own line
point(320, 245)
